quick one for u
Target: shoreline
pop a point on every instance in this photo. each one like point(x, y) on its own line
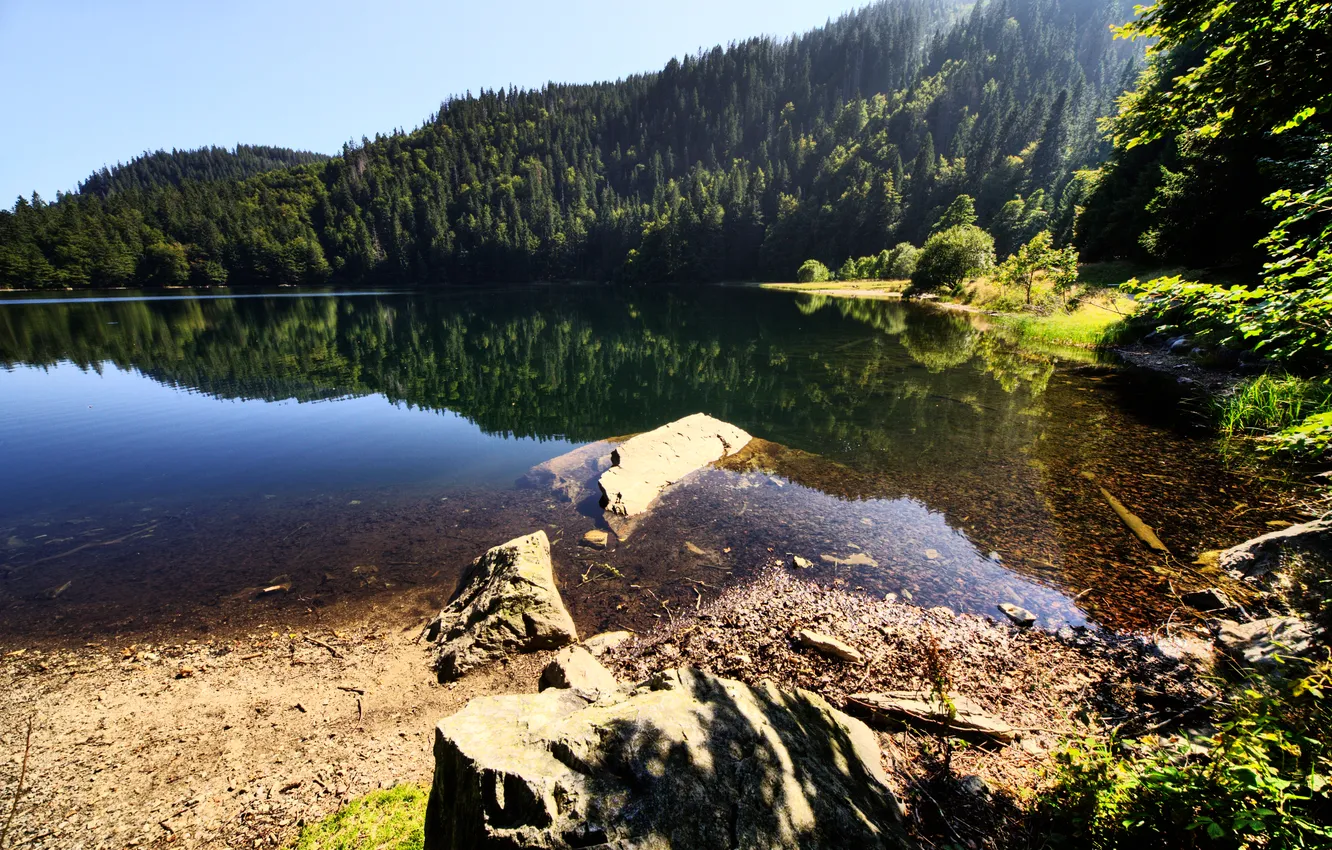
point(214, 742)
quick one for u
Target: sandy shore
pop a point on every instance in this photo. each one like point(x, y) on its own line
point(230, 743)
point(237, 742)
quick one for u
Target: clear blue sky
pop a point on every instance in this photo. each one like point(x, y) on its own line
point(93, 82)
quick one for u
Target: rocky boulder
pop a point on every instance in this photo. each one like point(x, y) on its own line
point(685, 760)
point(506, 602)
point(1254, 559)
point(644, 465)
point(577, 669)
point(1264, 643)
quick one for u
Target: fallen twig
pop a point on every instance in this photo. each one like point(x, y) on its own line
point(91, 545)
point(318, 642)
point(23, 774)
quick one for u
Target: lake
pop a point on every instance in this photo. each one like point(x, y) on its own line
point(165, 458)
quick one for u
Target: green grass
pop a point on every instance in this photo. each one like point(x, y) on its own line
point(381, 820)
point(1267, 404)
point(1086, 326)
point(863, 285)
point(1292, 415)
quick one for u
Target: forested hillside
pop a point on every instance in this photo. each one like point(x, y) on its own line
point(153, 170)
point(738, 162)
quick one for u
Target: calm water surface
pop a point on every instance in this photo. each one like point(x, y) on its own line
point(163, 457)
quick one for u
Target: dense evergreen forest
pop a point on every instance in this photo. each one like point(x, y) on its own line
point(738, 162)
point(154, 170)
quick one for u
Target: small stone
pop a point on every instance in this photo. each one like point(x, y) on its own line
point(1017, 614)
point(975, 786)
point(932, 554)
point(802, 563)
point(741, 659)
point(184, 672)
point(1209, 599)
point(576, 669)
point(602, 643)
point(829, 646)
point(596, 539)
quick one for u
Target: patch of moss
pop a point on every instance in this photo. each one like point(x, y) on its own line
point(381, 820)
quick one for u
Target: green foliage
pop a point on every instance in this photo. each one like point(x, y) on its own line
point(1262, 783)
point(381, 820)
point(733, 163)
point(1292, 414)
point(812, 271)
point(164, 264)
point(1262, 67)
point(1039, 256)
point(850, 270)
point(960, 213)
point(950, 257)
point(1288, 317)
point(1234, 98)
point(153, 170)
point(901, 262)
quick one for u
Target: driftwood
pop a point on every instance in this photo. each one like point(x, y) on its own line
point(920, 708)
point(1138, 527)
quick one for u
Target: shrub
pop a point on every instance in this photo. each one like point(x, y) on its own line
point(812, 271)
point(848, 271)
point(1036, 257)
point(951, 256)
point(1260, 778)
point(901, 262)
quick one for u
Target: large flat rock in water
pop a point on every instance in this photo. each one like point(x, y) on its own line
point(506, 602)
point(686, 760)
point(572, 474)
point(645, 465)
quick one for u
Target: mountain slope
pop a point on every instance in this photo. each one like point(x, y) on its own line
point(155, 170)
point(734, 163)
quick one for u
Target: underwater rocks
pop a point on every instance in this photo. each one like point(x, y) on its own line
point(506, 602)
point(684, 760)
point(1017, 614)
point(571, 474)
point(595, 539)
point(644, 465)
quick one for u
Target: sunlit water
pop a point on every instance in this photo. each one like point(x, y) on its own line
point(160, 454)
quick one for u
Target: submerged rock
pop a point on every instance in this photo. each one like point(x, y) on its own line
point(596, 539)
point(571, 474)
point(686, 760)
point(644, 465)
point(506, 602)
point(1017, 614)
